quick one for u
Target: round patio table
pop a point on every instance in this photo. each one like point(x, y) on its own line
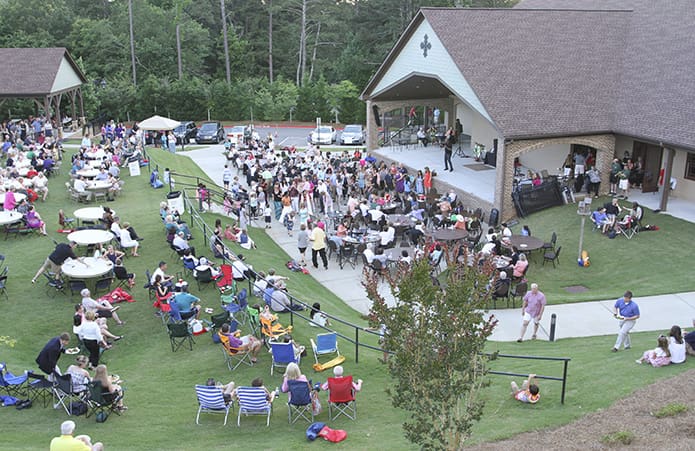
point(400, 220)
point(526, 243)
point(449, 234)
point(18, 197)
point(88, 173)
point(394, 254)
point(90, 213)
point(90, 237)
point(96, 155)
point(87, 268)
point(9, 217)
point(98, 185)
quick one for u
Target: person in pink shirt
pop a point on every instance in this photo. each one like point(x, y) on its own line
point(532, 309)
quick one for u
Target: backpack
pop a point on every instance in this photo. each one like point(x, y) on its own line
point(78, 408)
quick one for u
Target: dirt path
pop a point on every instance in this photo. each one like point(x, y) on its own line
point(632, 414)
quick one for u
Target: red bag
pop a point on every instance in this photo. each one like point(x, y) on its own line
point(333, 435)
point(117, 295)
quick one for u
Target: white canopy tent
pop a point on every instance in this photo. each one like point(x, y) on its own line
point(158, 123)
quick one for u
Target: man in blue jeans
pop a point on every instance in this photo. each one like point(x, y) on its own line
point(627, 312)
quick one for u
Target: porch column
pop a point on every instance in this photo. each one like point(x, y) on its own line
point(668, 168)
point(372, 129)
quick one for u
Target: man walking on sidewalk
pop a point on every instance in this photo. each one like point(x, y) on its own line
point(532, 309)
point(627, 312)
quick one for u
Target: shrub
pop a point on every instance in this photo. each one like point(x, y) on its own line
point(618, 438)
point(671, 410)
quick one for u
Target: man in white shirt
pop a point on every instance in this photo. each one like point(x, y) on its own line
point(179, 242)
point(239, 269)
point(80, 187)
point(160, 271)
point(387, 236)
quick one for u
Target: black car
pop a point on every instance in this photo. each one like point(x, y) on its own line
point(210, 132)
point(186, 131)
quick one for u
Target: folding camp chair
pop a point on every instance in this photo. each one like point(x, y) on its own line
point(179, 334)
point(53, 283)
point(238, 309)
point(254, 321)
point(218, 320)
point(204, 278)
point(211, 400)
point(13, 385)
point(39, 388)
point(325, 344)
point(226, 281)
point(341, 398)
point(64, 392)
point(100, 401)
point(233, 356)
point(253, 401)
point(272, 330)
point(283, 355)
point(299, 404)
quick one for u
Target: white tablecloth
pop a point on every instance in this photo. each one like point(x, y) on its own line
point(91, 236)
point(88, 268)
point(90, 213)
point(9, 217)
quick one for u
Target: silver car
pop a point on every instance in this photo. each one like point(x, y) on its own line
point(323, 135)
point(352, 134)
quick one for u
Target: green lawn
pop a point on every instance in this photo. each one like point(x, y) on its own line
point(646, 264)
point(159, 383)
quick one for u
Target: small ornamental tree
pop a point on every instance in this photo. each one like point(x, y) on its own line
point(435, 337)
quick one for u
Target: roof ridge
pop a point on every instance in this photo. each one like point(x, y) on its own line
point(434, 8)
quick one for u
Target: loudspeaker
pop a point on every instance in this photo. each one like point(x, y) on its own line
point(377, 116)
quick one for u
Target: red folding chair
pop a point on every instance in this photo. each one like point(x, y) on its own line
point(226, 280)
point(341, 398)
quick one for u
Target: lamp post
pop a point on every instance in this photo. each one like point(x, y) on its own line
point(583, 210)
point(132, 39)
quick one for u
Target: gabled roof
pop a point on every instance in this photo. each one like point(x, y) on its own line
point(32, 72)
point(547, 68)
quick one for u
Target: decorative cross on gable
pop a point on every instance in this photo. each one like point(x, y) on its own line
point(425, 45)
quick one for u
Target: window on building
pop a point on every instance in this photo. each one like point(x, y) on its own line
point(690, 167)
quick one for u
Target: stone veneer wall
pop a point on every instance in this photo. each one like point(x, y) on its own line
point(604, 144)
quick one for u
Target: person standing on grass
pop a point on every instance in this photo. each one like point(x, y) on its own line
point(532, 309)
point(627, 312)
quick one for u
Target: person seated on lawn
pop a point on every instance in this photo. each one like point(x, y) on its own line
point(659, 356)
point(529, 391)
point(520, 266)
point(226, 389)
point(280, 302)
point(240, 270)
point(67, 442)
point(162, 290)
point(203, 265)
point(601, 220)
point(127, 241)
point(122, 273)
point(689, 339)
point(318, 318)
point(613, 209)
point(180, 243)
point(338, 373)
point(79, 374)
point(269, 395)
point(292, 373)
point(676, 345)
point(189, 305)
point(501, 285)
point(272, 277)
point(103, 309)
point(247, 343)
point(166, 279)
point(623, 224)
point(112, 254)
point(108, 385)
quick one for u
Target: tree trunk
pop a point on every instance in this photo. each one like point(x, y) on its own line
point(301, 65)
point(270, 41)
point(178, 50)
point(313, 53)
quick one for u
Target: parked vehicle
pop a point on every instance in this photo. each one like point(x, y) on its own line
point(323, 135)
point(352, 134)
point(185, 132)
point(210, 132)
point(236, 135)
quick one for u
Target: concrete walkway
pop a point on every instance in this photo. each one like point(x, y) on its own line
point(584, 319)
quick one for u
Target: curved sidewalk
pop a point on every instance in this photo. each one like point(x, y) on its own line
point(582, 319)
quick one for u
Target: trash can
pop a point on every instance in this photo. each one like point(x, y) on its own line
point(175, 202)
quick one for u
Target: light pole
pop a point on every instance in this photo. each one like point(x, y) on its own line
point(132, 40)
point(226, 44)
point(583, 210)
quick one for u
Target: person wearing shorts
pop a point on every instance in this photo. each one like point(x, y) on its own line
point(529, 391)
point(302, 243)
point(532, 309)
point(53, 263)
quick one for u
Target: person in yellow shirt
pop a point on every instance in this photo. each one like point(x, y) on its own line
point(318, 246)
point(66, 442)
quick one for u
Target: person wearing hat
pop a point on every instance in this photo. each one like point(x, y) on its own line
point(203, 265)
point(280, 302)
point(627, 312)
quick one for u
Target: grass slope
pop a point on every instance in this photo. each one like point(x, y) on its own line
point(159, 383)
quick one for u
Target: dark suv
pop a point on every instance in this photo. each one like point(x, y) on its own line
point(210, 132)
point(185, 132)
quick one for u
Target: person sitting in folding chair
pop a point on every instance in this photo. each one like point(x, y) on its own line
point(247, 343)
point(189, 305)
point(623, 225)
point(338, 373)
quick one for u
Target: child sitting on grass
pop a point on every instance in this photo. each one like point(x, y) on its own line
point(529, 392)
point(659, 356)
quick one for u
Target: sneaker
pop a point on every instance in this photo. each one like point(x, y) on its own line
point(519, 340)
point(614, 350)
point(638, 361)
point(626, 348)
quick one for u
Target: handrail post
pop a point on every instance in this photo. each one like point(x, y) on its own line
point(564, 382)
point(357, 344)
